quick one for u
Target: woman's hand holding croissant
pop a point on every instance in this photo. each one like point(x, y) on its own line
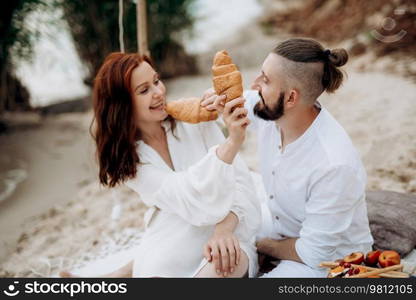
point(235, 118)
point(236, 121)
point(234, 113)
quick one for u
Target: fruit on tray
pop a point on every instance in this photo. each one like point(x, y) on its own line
point(338, 271)
point(371, 259)
point(375, 263)
point(389, 258)
point(361, 269)
point(354, 258)
point(346, 270)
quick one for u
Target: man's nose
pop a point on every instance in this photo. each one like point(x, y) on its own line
point(255, 85)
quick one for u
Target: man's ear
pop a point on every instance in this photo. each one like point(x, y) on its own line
point(293, 98)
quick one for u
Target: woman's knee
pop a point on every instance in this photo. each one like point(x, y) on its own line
point(239, 271)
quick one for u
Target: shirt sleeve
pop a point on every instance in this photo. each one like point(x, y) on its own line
point(246, 204)
point(252, 98)
point(202, 195)
point(329, 213)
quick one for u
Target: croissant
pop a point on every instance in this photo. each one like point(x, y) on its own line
point(226, 77)
point(190, 110)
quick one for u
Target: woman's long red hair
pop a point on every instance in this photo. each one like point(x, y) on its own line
point(114, 129)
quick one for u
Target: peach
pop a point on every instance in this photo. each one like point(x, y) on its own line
point(389, 258)
point(371, 259)
point(354, 258)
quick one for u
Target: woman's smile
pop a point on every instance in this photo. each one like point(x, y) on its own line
point(158, 106)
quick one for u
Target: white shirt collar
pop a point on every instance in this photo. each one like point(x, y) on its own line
point(308, 132)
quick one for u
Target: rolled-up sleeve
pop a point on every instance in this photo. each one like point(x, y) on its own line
point(202, 195)
point(328, 214)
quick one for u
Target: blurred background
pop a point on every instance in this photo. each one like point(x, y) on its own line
point(53, 213)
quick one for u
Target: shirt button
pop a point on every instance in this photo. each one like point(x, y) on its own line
point(280, 147)
point(271, 197)
point(273, 173)
point(277, 217)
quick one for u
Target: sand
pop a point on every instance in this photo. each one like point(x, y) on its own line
point(53, 156)
point(60, 218)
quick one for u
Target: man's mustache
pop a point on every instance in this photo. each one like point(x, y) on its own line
point(262, 99)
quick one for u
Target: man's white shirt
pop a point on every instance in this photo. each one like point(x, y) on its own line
point(315, 187)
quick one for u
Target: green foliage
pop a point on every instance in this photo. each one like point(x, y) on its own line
point(94, 26)
point(15, 38)
point(14, 35)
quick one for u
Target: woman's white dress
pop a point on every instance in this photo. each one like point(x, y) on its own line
point(186, 203)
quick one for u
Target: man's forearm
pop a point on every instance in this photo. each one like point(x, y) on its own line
point(280, 249)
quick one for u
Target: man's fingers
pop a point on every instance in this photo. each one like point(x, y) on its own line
point(211, 107)
point(220, 100)
point(207, 252)
point(208, 100)
point(214, 101)
point(209, 92)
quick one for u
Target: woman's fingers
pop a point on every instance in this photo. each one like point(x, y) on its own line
point(239, 112)
point(207, 252)
point(225, 260)
point(232, 254)
point(229, 106)
point(243, 122)
point(237, 251)
point(216, 259)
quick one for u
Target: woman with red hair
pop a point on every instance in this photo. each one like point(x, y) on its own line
point(203, 210)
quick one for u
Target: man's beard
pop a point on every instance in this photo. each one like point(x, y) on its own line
point(270, 114)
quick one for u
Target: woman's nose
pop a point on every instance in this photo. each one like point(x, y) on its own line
point(158, 92)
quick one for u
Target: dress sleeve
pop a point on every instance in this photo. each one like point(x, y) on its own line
point(329, 212)
point(246, 204)
point(202, 194)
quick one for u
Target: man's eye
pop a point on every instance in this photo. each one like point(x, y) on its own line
point(144, 91)
point(157, 81)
